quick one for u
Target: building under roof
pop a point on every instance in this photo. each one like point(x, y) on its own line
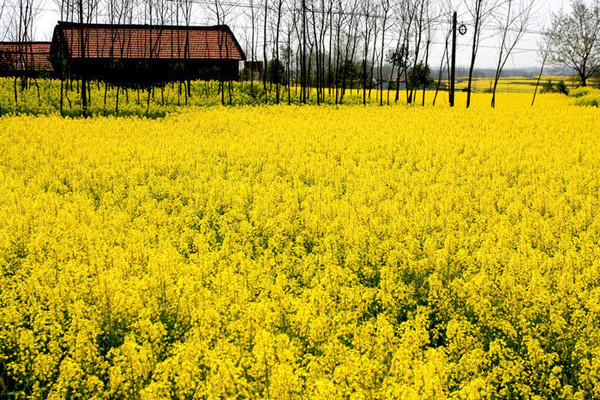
point(140, 54)
point(30, 59)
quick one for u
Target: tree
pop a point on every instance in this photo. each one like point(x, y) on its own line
point(250, 14)
point(547, 87)
point(65, 8)
point(276, 72)
point(480, 10)
point(24, 14)
point(82, 41)
point(428, 40)
point(265, 15)
point(561, 88)
point(186, 9)
point(367, 31)
point(385, 7)
point(408, 12)
point(118, 13)
point(419, 27)
point(544, 53)
point(86, 11)
point(221, 11)
point(575, 41)
point(398, 58)
point(445, 59)
point(419, 76)
point(512, 27)
point(2, 8)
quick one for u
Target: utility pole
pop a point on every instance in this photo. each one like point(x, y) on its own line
point(453, 66)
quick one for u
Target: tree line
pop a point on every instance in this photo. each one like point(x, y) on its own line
point(324, 48)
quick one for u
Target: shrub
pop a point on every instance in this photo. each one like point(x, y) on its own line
point(561, 88)
point(547, 87)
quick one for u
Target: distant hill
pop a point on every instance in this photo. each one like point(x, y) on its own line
point(524, 72)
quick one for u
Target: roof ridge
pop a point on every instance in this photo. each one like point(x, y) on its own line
point(144, 26)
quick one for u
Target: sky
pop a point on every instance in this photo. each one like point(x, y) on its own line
point(524, 56)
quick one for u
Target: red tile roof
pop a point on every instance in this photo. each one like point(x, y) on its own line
point(25, 56)
point(145, 42)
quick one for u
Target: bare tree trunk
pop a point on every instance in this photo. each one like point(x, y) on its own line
point(265, 67)
point(329, 71)
point(148, 101)
point(385, 6)
point(278, 78)
point(317, 56)
point(303, 68)
point(537, 83)
point(84, 104)
point(15, 91)
point(516, 24)
point(481, 10)
point(62, 83)
point(117, 102)
point(425, 67)
point(419, 38)
point(252, 46)
point(441, 71)
point(367, 34)
point(105, 94)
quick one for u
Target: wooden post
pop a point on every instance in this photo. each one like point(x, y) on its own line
point(453, 66)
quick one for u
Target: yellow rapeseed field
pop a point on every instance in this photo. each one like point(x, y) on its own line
point(303, 252)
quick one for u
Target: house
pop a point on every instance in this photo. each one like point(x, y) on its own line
point(31, 59)
point(142, 54)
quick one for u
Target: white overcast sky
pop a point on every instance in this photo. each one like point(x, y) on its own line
point(525, 56)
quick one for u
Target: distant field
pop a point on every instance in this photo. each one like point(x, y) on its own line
point(515, 84)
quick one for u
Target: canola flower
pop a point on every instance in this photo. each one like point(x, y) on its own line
point(586, 96)
point(303, 252)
